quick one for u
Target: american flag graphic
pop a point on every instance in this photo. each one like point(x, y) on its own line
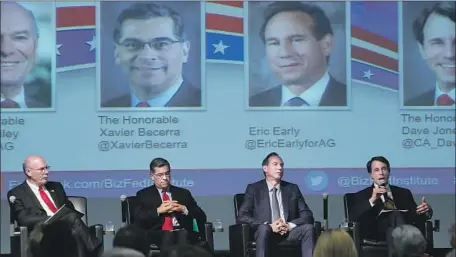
point(224, 31)
point(75, 42)
point(374, 44)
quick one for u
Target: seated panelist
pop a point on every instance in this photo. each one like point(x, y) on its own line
point(37, 199)
point(383, 196)
point(165, 211)
point(277, 211)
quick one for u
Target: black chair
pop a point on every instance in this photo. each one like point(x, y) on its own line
point(128, 204)
point(19, 235)
point(372, 248)
point(242, 243)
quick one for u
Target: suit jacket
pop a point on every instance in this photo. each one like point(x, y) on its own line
point(375, 228)
point(186, 96)
point(149, 199)
point(425, 99)
point(27, 210)
point(256, 208)
point(334, 95)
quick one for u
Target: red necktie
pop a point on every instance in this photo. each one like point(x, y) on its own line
point(445, 100)
point(47, 201)
point(143, 104)
point(168, 224)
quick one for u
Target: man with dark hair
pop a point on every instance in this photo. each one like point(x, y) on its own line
point(132, 237)
point(165, 211)
point(299, 40)
point(383, 196)
point(151, 48)
point(277, 211)
point(37, 199)
point(19, 44)
point(434, 32)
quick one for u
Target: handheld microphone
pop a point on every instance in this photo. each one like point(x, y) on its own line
point(125, 206)
point(325, 211)
point(383, 184)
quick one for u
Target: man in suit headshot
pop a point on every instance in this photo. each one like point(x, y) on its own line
point(151, 48)
point(299, 40)
point(434, 31)
point(19, 44)
point(165, 211)
point(276, 210)
point(37, 199)
point(383, 196)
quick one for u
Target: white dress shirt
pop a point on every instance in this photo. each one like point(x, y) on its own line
point(312, 95)
point(161, 99)
point(439, 92)
point(175, 222)
point(19, 99)
point(35, 190)
point(279, 199)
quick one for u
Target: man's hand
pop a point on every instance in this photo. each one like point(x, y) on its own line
point(276, 226)
point(166, 207)
point(284, 227)
point(376, 193)
point(177, 207)
point(423, 207)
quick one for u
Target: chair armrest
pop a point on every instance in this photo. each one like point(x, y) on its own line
point(97, 231)
point(209, 234)
point(356, 235)
point(239, 237)
point(318, 229)
point(19, 242)
point(429, 234)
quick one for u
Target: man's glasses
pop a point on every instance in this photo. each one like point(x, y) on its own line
point(43, 169)
point(162, 175)
point(160, 44)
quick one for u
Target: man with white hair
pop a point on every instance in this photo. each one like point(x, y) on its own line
point(19, 43)
point(122, 252)
point(408, 241)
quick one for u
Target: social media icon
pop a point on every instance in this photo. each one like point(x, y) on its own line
point(316, 180)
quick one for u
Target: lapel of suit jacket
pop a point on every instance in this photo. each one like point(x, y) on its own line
point(54, 196)
point(155, 197)
point(265, 194)
point(285, 199)
point(29, 193)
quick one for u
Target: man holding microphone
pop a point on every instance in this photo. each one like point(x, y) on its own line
point(381, 196)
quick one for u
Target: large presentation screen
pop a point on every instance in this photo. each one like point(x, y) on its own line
point(99, 89)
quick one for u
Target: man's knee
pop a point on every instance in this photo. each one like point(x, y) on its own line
point(263, 231)
point(305, 230)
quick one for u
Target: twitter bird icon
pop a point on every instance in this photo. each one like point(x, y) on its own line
point(316, 180)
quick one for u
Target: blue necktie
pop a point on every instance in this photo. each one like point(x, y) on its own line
point(296, 101)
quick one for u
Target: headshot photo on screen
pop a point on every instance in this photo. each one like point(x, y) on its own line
point(27, 50)
point(428, 59)
point(297, 55)
point(150, 55)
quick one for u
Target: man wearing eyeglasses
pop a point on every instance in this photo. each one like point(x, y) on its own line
point(37, 199)
point(151, 48)
point(165, 211)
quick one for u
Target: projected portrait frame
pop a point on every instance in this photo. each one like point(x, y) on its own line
point(416, 92)
point(113, 82)
point(259, 77)
point(39, 85)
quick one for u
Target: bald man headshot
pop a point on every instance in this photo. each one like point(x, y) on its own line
point(20, 89)
point(37, 199)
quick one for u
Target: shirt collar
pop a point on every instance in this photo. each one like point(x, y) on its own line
point(439, 92)
point(312, 95)
point(161, 190)
point(161, 99)
point(19, 99)
point(270, 186)
point(34, 187)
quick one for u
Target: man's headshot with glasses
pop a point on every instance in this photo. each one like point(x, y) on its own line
point(151, 48)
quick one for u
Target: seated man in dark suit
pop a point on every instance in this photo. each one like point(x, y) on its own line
point(277, 211)
point(383, 196)
point(150, 46)
point(299, 38)
point(167, 211)
point(37, 199)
